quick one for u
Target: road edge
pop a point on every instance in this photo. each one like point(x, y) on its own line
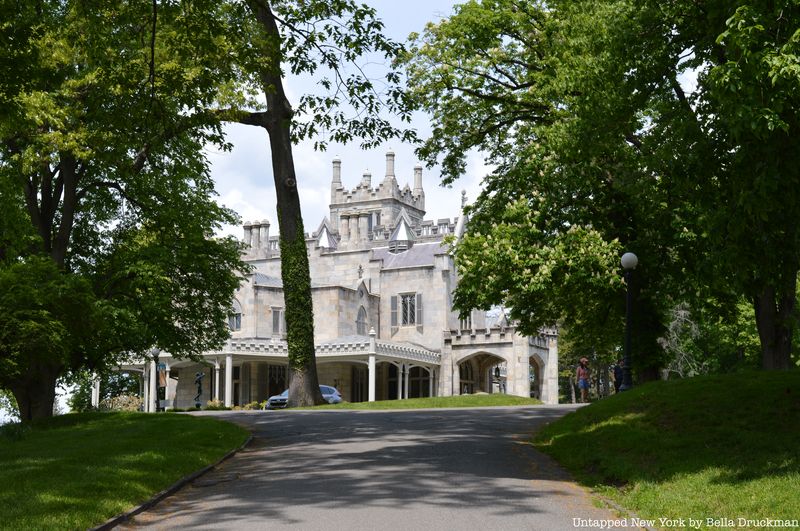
point(172, 489)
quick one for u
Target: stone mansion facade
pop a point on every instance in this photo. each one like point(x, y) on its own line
point(382, 282)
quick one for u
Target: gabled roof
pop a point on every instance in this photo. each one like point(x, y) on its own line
point(403, 231)
point(325, 239)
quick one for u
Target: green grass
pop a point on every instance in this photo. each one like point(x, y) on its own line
point(76, 471)
point(721, 446)
point(439, 401)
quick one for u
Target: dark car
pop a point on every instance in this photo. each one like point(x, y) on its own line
point(331, 394)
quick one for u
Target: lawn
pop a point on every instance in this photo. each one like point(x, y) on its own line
point(76, 471)
point(439, 401)
point(721, 447)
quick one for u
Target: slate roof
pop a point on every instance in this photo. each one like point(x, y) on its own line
point(421, 254)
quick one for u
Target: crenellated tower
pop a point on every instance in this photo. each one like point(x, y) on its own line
point(357, 213)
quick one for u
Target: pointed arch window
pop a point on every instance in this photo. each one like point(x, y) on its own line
point(235, 316)
point(361, 322)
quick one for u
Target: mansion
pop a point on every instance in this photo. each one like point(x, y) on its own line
point(382, 282)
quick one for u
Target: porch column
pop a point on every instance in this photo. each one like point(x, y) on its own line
point(406, 372)
point(166, 388)
point(430, 381)
point(153, 387)
point(95, 391)
point(145, 390)
point(399, 381)
point(228, 380)
point(216, 380)
point(371, 366)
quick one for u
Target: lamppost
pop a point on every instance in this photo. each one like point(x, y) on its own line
point(629, 262)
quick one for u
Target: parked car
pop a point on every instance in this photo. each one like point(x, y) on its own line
point(331, 394)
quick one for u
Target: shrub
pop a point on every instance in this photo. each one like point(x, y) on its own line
point(121, 403)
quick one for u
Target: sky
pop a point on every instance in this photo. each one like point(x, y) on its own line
point(244, 178)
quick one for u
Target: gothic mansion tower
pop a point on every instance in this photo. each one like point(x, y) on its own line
point(385, 328)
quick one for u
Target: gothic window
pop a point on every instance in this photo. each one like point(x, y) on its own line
point(466, 323)
point(235, 316)
point(278, 322)
point(407, 310)
point(361, 322)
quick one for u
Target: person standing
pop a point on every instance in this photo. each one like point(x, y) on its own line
point(618, 375)
point(582, 375)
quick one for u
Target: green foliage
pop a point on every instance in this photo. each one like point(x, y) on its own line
point(112, 384)
point(46, 318)
point(582, 110)
point(106, 111)
point(694, 447)
point(76, 471)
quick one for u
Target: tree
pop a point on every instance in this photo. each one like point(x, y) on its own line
point(104, 118)
point(545, 236)
point(581, 104)
point(304, 37)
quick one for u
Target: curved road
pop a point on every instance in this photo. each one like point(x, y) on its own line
point(440, 469)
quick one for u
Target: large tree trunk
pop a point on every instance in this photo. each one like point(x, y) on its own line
point(304, 386)
point(36, 393)
point(775, 322)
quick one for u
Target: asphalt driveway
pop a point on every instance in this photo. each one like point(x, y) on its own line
point(441, 469)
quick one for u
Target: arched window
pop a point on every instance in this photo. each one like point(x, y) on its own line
point(235, 316)
point(361, 322)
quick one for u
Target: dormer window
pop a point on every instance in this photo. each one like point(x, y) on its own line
point(402, 238)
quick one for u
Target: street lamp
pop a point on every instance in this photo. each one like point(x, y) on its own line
point(629, 262)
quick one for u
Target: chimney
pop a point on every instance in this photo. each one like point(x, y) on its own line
point(389, 165)
point(337, 173)
point(248, 227)
point(418, 181)
point(264, 237)
point(366, 180)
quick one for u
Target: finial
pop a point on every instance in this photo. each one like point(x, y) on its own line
point(463, 198)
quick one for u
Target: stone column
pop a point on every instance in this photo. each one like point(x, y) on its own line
point(228, 380)
point(216, 380)
point(344, 227)
point(550, 395)
point(153, 402)
point(406, 374)
point(145, 390)
point(400, 381)
point(355, 236)
point(166, 388)
point(95, 391)
point(371, 365)
point(363, 226)
point(430, 381)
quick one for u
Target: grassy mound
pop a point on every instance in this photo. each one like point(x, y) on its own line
point(482, 400)
point(76, 471)
point(722, 447)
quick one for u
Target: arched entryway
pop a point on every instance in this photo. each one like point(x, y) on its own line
point(480, 373)
point(536, 373)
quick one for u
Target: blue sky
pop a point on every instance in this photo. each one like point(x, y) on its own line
point(244, 177)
